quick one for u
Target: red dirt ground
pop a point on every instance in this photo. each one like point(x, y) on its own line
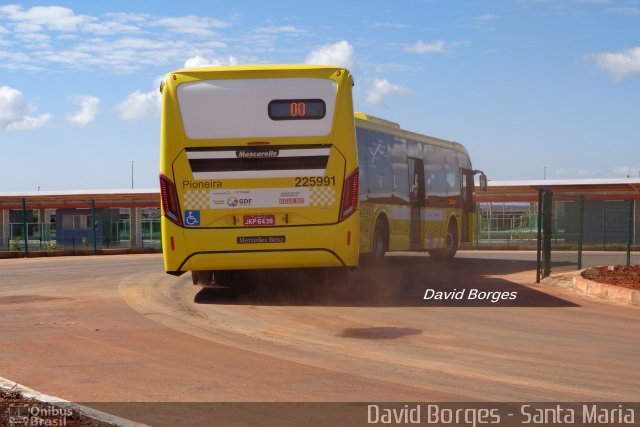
point(619, 275)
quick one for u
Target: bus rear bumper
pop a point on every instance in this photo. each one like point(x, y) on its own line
point(260, 248)
point(278, 258)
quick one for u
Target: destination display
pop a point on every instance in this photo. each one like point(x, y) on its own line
point(297, 109)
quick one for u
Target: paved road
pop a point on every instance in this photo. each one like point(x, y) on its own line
point(116, 328)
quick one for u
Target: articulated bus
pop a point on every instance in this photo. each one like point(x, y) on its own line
point(416, 191)
point(259, 170)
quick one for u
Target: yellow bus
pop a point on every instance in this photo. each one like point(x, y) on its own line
point(258, 169)
point(416, 191)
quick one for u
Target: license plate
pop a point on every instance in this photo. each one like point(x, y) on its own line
point(258, 220)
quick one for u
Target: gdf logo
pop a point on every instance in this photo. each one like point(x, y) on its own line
point(232, 202)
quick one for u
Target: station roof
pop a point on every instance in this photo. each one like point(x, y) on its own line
point(591, 189)
point(149, 197)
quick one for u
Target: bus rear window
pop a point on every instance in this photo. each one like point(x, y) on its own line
point(257, 108)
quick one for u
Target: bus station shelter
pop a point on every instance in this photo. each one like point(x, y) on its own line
point(564, 216)
point(590, 189)
point(104, 218)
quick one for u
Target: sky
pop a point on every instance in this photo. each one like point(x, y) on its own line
point(532, 88)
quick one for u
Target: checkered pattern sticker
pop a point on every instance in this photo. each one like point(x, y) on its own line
point(196, 199)
point(322, 196)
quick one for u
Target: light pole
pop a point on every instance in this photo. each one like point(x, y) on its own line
point(132, 174)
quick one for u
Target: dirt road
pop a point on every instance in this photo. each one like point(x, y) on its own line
point(117, 329)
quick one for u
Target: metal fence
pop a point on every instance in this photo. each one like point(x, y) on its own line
point(577, 225)
point(507, 225)
point(43, 236)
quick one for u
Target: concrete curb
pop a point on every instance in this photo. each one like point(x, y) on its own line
point(94, 414)
point(605, 291)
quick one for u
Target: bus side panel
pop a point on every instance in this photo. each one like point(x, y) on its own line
point(384, 187)
point(431, 227)
point(366, 226)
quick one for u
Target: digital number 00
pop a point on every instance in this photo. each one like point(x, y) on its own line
point(298, 109)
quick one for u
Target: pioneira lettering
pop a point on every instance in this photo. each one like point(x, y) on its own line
point(201, 185)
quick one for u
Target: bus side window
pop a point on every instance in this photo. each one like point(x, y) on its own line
point(434, 173)
point(400, 169)
point(463, 161)
point(378, 163)
point(452, 173)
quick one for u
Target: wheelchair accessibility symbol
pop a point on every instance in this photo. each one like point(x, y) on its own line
point(192, 218)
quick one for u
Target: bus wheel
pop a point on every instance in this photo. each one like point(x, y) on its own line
point(202, 277)
point(224, 277)
point(379, 241)
point(451, 244)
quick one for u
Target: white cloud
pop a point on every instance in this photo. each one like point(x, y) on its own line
point(619, 65)
point(88, 110)
point(110, 28)
point(200, 61)
point(190, 25)
point(286, 29)
point(561, 172)
point(13, 57)
point(197, 62)
point(381, 88)
point(140, 105)
point(389, 25)
point(121, 43)
point(44, 17)
point(627, 11)
point(339, 54)
point(487, 17)
point(630, 171)
point(30, 122)
point(26, 28)
point(34, 37)
point(587, 172)
point(437, 46)
point(14, 111)
point(123, 17)
point(137, 43)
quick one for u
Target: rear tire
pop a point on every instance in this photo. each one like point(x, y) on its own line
point(201, 277)
point(224, 277)
point(451, 244)
point(379, 245)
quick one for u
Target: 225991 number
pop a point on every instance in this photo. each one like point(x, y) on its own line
point(313, 181)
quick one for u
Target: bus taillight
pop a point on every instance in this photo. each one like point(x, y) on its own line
point(170, 205)
point(349, 195)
